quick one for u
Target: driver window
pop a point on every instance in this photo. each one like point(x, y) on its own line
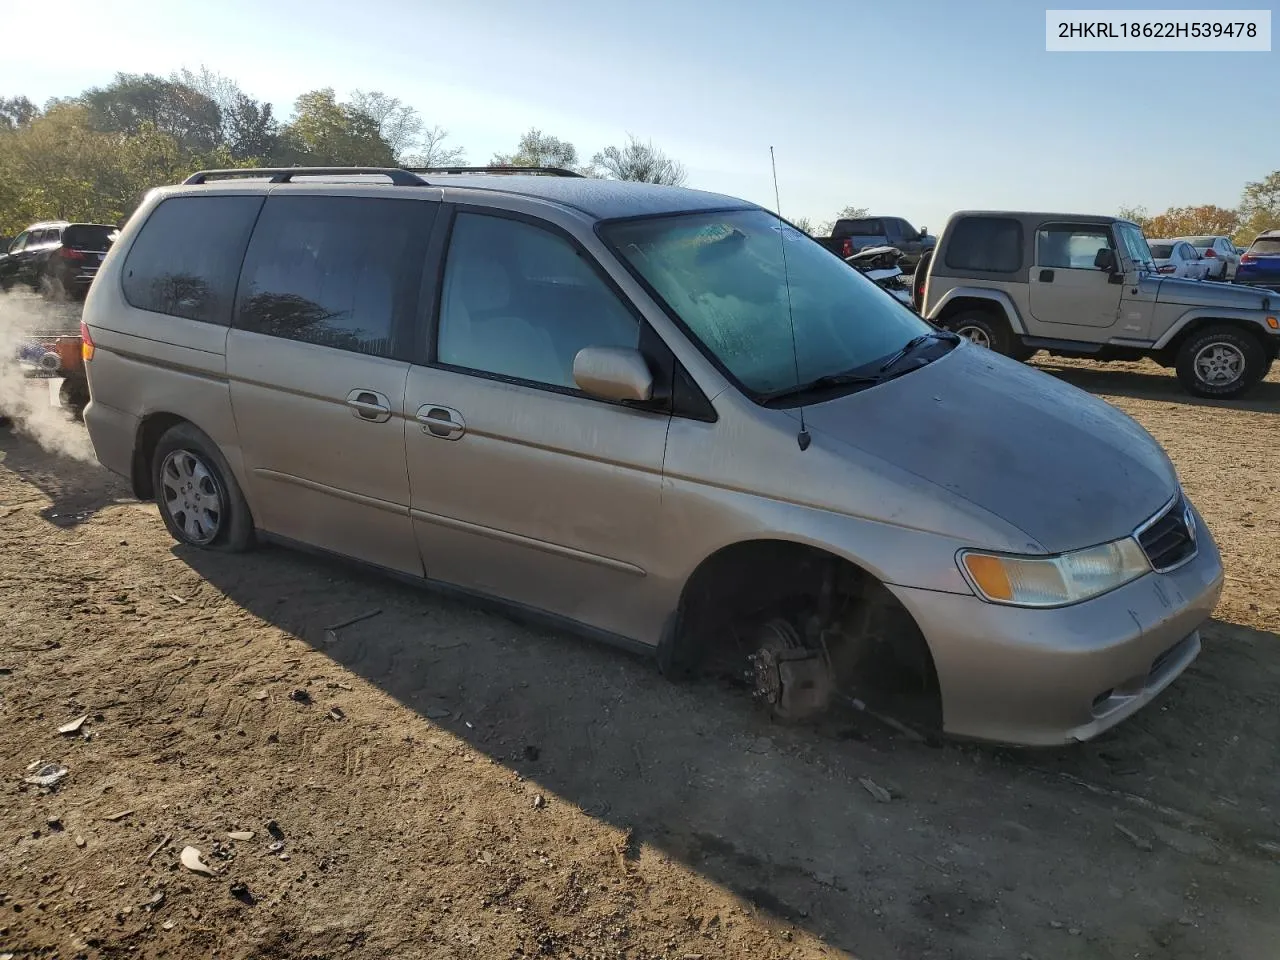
point(1070, 248)
point(520, 301)
point(18, 242)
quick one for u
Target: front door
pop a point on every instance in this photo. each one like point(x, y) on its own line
point(1067, 290)
point(317, 359)
point(523, 487)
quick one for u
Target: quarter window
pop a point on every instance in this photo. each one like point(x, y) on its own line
point(1070, 248)
point(986, 244)
point(185, 258)
point(520, 301)
point(341, 272)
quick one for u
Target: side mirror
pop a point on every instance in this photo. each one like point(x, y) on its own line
point(1105, 260)
point(613, 373)
point(924, 232)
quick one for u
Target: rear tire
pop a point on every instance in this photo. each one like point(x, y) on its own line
point(987, 329)
point(74, 395)
point(198, 496)
point(1221, 362)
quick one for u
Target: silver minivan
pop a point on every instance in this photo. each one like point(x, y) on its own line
point(663, 417)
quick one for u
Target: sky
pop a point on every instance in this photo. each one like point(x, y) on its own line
point(910, 109)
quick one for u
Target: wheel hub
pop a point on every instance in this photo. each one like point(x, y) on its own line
point(192, 496)
point(976, 336)
point(793, 680)
point(1219, 364)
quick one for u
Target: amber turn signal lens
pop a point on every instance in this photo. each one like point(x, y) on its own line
point(989, 575)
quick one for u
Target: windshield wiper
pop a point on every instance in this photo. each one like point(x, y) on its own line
point(916, 343)
point(830, 381)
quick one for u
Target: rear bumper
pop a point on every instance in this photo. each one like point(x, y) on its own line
point(113, 434)
point(1046, 677)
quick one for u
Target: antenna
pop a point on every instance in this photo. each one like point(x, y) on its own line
point(802, 437)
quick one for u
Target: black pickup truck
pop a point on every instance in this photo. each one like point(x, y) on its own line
point(850, 236)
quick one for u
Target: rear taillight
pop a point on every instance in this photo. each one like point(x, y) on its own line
point(1248, 258)
point(1167, 268)
point(66, 253)
point(846, 248)
point(86, 342)
point(1209, 253)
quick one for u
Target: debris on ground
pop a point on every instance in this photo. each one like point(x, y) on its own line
point(335, 713)
point(242, 835)
point(45, 773)
point(158, 847)
point(275, 847)
point(300, 696)
point(192, 860)
point(273, 828)
point(539, 802)
point(73, 726)
point(331, 631)
point(1141, 842)
point(54, 824)
point(880, 793)
point(117, 816)
point(155, 902)
point(437, 713)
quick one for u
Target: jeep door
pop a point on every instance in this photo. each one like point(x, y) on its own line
point(1066, 289)
point(523, 486)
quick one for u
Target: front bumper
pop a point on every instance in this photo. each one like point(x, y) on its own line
point(1045, 677)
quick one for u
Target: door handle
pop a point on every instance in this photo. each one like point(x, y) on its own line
point(1046, 276)
point(369, 405)
point(442, 422)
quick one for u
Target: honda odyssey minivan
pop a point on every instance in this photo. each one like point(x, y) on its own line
point(663, 417)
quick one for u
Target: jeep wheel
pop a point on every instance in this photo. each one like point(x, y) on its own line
point(988, 330)
point(1221, 362)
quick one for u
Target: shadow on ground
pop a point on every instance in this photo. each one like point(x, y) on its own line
point(1150, 382)
point(980, 852)
point(77, 489)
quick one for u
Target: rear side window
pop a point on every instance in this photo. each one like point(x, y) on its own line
point(186, 257)
point(1161, 251)
point(986, 244)
point(861, 228)
point(87, 236)
point(340, 272)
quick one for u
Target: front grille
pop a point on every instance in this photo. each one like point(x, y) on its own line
point(1169, 540)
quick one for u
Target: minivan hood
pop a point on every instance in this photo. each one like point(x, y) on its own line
point(1200, 293)
point(1065, 468)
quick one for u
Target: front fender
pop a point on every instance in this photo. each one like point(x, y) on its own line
point(1254, 318)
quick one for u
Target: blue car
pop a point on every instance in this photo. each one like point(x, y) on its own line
point(1260, 264)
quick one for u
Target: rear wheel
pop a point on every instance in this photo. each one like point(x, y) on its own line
point(74, 395)
point(986, 329)
point(1221, 362)
point(199, 499)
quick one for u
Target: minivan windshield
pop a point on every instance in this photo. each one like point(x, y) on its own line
point(722, 275)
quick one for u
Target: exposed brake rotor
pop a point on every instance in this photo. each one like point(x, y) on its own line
point(793, 680)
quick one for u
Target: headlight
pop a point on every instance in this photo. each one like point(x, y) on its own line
point(1054, 581)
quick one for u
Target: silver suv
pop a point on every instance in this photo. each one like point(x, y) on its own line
point(659, 416)
point(1086, 286)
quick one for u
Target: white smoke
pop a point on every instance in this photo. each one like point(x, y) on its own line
point(31, 403)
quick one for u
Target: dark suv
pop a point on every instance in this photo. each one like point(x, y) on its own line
point(57, 258)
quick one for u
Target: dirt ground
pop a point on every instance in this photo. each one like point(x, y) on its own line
point(449, 784)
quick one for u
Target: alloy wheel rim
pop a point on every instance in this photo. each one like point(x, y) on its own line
point(1219, 364)
point(975, 335)
point(192, 496)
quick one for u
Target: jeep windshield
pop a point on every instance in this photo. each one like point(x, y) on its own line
point(1135, 245)
point(723, 278)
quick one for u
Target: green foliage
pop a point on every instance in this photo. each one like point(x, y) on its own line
point(538, 149)
point(134, 102)
point(324, 132)
point(1259, 210)
point(640, 162)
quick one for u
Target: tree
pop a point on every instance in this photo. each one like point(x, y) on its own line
point(1259, 208)
point(852, 213)
point(538, 149)
point(1206, 219)
point(399, 125)
point(805, 224)
point(432, 152)
point(323, 132)
point(640, 162)
point(249, 129)
point(134, 101)
point(16, 112)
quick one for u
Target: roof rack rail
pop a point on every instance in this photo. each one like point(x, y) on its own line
point(543, 171)
point(397, 176)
